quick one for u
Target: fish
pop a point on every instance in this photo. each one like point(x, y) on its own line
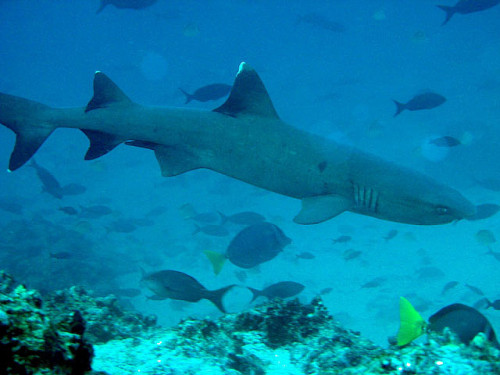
point(189, 212)
point(350, 254)
point(305, 255)
point(68, 210)
point(283, 289)
point(495, 304)
point(121, 226)
point(466, 7)
point(445, 141)
point(485, 237)
point(242, 218)
point(475, 289)
point(448, 286)
point(391, 234)
point(61, 255)
point(495, 254)
point(428, 100)
point(94, 212)
point(465, 321)
point(342, 239)
point(374, 283)
point(320, 21)
point(12, 207)
point(325, 291)
point(252, 246)
point(484, 211)
point(328, 177)
point(241, 275)
point(49, 182)
point(125, 4)
point(206, 93)
point(181, 286)
point(429, 273)
point(212, 230)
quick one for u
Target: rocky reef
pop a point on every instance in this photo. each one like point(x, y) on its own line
point(71, 332)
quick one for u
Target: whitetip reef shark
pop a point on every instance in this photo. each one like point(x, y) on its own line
point(245, 139)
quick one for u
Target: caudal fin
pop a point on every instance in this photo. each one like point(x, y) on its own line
point(216, 259)
point(400, 107)
point(412, 325)
point(450, 11)
point(255, 293)
point(189, 97)
point(216, 296)
point(25, 118)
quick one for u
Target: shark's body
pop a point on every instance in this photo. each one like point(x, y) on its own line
point(244, 139)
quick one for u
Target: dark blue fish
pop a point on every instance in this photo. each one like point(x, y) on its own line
point(428, 100)
point(94, 212)
point(283, 289)
point(305, 255)
point(61, 255)
point(466, 7)
point(466, 322)
point(180, 286)
point(11, 207)
point(252, 246)
point(126, 4)
point(68, 210)
point(445, 141)
point(49, 182)
point(210, 92)
point(256, 244)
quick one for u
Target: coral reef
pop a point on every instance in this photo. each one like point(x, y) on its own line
point(286, 337)
point(71, 331)
point(30, 343)
point(105, 318)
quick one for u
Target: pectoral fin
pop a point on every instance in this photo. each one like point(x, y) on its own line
point(175, 161)
point(321, 208)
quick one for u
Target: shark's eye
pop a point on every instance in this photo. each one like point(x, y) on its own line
point(441, 210)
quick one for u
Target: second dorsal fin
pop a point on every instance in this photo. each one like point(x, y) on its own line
point(248, 96)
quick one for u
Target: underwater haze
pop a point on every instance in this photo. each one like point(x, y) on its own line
point(332, 68)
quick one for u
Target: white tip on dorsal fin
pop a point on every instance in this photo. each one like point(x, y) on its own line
point(248, 96)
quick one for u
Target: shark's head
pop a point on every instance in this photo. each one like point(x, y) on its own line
point(427, 208)
point(412, 198)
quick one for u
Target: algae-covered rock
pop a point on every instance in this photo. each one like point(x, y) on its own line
point(30, 342)
point(105, 318)
point(286, 337)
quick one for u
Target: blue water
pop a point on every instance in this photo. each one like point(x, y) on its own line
point(337, 84)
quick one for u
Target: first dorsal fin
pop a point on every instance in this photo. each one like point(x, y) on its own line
point(248, 96)
point(106, 92)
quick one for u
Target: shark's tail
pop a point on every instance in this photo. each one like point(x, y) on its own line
point(450, 11)
point(26, 118)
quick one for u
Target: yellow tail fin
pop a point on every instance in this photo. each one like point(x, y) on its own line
point(411, 325)
point(217, 260)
